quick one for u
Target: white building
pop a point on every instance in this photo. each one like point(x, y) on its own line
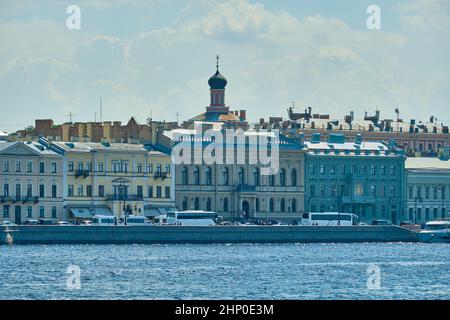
point(31, 182)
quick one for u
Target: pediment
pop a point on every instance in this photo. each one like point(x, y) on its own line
point(19, 149)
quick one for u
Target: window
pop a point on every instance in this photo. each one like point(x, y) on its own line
point(241, 177)
point(139, 167)
point(208, 204)
point(41, 190)
point(435, 213)
point(158, 168)
point(435, 193)
point(100, 166)
point(257, 205)
point(70, 190)
point(442, 192)
point(271, 206)
point(256, 177)
point(167, 168)
point(18, 189)
point(383, 170)
point(294, 205)
point(282, 205)
point(184, 205)
point(140, 192)
point(89, 166)
point(208, 176)
point(115, 166)
point(410, 192)
point(392, 171)
point(392, 190)
point(225, 176)
point(359, 189)
point(343, 170)
point(101, 191)
point(29, 190)
point(282, 177)
point(150, 192)
point(332, 169)
point(150, 168)
point(124, 167)
point(293, 178)
point(419, 192)
point(322, 169)
point(29, 212)
point(272, 180)
point(372, 170)
point(53, 167)
point(54, 212)
point(6, 211)
point(41, 167)
point(427, 192)
point(159, 192)
point(6, 166)
point(80, 190)
point(196, 176)
point(373, 189)
point(184, 176)
point(225, 205)
point(312, 169)
point(17, 166)
point(42, 212)
point(167, 192)
point(70, 166)
point(89, 190)
point(196, 204)
point(322, 190)
point(54, 191)
point(333, 190)
point(6, 190)
point(29, 166)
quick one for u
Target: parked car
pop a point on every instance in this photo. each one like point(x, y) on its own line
point(46, 222)
point(86, 223)
point(381, 222)
point(63, 223)
point(7, 223)
point(31, 222)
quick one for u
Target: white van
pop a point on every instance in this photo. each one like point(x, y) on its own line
point(137, 221)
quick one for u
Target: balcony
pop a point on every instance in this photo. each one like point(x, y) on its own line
point(358, 199)
point(82, 173)
point(162, 175)
point(125, 197)
point(15, 199)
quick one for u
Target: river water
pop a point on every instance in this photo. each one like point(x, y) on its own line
point(235, 271)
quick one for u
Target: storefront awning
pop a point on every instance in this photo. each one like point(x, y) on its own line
point(102, 211)
point(81, 213)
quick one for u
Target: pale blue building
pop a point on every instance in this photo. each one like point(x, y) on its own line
point(365, 178)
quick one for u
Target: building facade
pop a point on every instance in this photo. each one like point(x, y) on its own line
point(428, 189)
point(31, 180)
point(114, 179)
point(365, 178)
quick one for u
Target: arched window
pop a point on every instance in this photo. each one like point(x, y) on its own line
point(257, 205)
point(241, 177)
point(184, 175)
point(256, 176)
point(225, 176)
point(185, 204)
point(196, 204)
point(282, 177)
point(282, 206)
point(294, 205)
point(271, 207)
point(272, 180)
point(208, 176)
point(196, 176)
point(293, 177)
point(208, 204)
point(225, 205)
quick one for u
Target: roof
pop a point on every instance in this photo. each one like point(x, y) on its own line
point(427, 163)
point(34, 146)
point(97, 146)
point(216, 116)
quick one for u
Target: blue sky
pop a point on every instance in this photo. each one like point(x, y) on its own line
point(156, 56)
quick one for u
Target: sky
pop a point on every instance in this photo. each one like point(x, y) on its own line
point(154, 57)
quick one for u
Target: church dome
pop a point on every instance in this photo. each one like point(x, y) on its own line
point(217, 81)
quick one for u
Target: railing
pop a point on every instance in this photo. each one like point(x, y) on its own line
point(14, 199)
point(161, 175)
point(125, 197)
point(84, 173)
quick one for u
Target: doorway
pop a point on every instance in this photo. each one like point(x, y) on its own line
point(18, 215)
point(246, 209)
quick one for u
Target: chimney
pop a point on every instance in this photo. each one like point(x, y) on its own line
point(242, 115)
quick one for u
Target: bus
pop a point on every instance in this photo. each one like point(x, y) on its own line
point(187, 218)
point(329, 219)
point(99, 220)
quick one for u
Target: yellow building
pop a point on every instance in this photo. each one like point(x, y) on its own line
point(114, 179)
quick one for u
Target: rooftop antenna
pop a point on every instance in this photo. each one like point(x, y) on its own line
point(101, 111)
point(177, 115)
point(397, 111)
point(70, 115)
